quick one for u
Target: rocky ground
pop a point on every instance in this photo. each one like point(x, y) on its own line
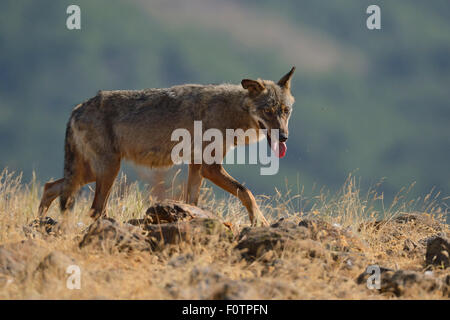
point(178, 251)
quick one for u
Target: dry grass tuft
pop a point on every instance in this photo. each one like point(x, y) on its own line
point(35, 268)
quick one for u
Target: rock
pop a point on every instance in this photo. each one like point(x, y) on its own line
point(322, 236)
point(319, 228)
point(173, 211)
point(420, 219)
point(447, 280)
point(195, 230)
point(55, 261)
point(256, 241)
point(108, 234)
point(54, 265)
point(424, 242)
point(407, 217)
point(51, 272)
point(209, 282)
point(136, 222)
point(253, 289)
point(180, 260)
point(110, 275)
point(399, 282)
point(446, 289)
point(206, 274)
point(438, 250)
point(371, 225)
point(311, 248)
point(405, 283)
point(285, 224)
point(202, 281)
point(44, 226)
point(348, 260)
point(363, 277)
point(333, 237)
point(233, 290)
point(276, 288)
point(206, 283)
point(16, 257)
point(9, 264)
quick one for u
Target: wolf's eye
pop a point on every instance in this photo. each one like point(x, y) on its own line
point(285, 109)
point(268, 111)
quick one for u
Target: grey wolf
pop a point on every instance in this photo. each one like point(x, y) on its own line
point(136, 125)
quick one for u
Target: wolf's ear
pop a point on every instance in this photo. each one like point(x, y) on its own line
point(254, 87)
point(285, 82)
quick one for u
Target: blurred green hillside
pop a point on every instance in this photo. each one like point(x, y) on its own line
point(375, 103)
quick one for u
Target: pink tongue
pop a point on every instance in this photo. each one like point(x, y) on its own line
point(279, 149)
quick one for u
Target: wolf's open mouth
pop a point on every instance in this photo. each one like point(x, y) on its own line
point(278, 147)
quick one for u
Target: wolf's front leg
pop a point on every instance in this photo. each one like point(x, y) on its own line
point(193, 185)
point(217, 174)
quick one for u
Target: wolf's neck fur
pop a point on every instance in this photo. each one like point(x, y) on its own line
point(235, 100)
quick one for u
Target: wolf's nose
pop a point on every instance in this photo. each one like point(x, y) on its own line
point(283, 137)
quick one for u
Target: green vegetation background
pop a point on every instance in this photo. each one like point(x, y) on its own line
point(372, 103)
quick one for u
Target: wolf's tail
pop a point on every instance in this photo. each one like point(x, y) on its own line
point(70, 170)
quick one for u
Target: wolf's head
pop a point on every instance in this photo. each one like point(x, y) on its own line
point(270, 105)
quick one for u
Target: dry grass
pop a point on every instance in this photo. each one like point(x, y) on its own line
point(216, 269)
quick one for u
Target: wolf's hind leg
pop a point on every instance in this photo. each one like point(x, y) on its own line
point(51, 191)
point(77, 175)
point(103, 184)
